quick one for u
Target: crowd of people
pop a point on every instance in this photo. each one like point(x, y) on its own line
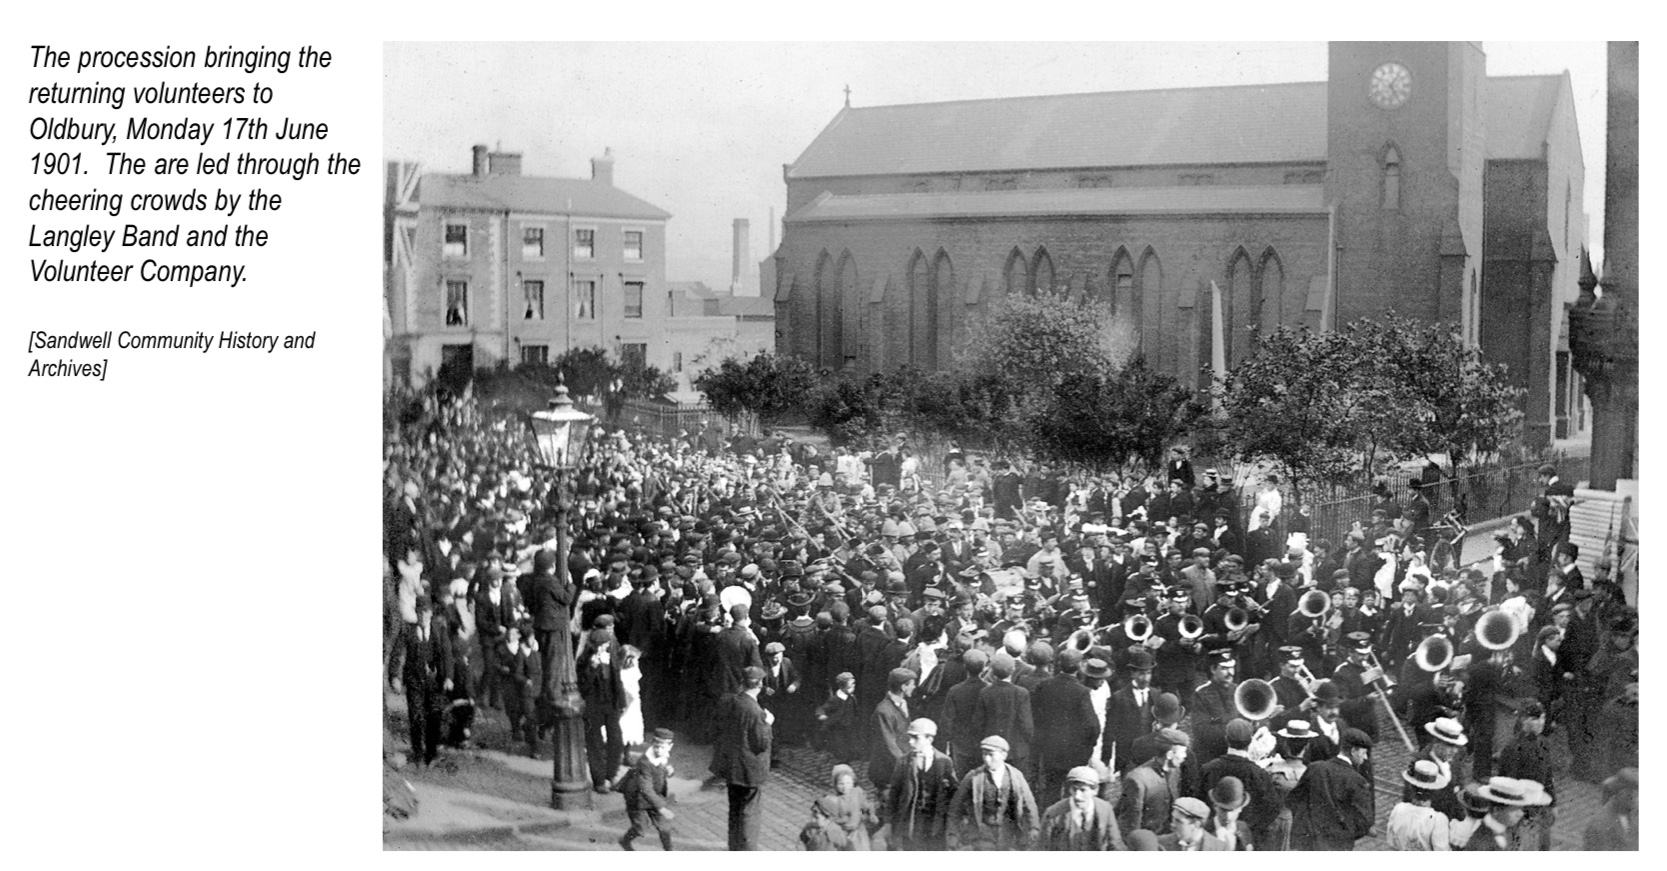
point(1012, 660)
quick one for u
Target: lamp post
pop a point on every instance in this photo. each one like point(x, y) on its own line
point(560, 432)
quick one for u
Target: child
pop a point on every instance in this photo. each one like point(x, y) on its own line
point(837, 719)
point(521, 676)
point(822, 833)
point(646, 790)
point(630, 677)
point(849, 809)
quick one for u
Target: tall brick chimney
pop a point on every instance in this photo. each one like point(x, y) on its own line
point(602, 168)
point(504, 163)
point(741, 254)
point(481, 161)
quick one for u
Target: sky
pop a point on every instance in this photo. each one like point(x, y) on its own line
point(702, 129)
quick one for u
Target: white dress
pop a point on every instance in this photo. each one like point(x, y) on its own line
point(630, 721)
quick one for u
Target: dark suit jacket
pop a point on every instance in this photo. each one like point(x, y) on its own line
point(917, 803)
point(736, 649)
point(958, 730)
point(551, 603)
point(645, 786)
point(1171, 843)
point(1004, 709)
point(492, 622)
point(1125, 722)
point(424, 666)
point(1330, 807)
point(741, 750)
point(1066, 725)
point(888, 740)
point(600, 684)
point(1266, 801)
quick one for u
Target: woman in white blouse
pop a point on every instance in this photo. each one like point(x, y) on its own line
point(1413, 824)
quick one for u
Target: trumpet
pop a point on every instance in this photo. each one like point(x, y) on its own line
point(1138, 627)
point(1192, 627)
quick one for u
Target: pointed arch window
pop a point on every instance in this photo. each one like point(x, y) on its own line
point(1392, 178)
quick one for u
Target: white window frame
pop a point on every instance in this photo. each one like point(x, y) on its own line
point(527, 312)
point(543, 235)
point(573, 294)
point(577, 255)
point(642, 244)
point(445, 301)
point(446, 245)
point(642, 298)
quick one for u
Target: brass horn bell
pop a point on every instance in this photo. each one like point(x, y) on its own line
point(1434, 653)
point(1255, 699)
point(1496, 630)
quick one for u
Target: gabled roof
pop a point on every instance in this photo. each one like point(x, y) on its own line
point(1242, 124)
point(1518, 115)
point(1197, 199)
point(525, 193)
point(1284, 123)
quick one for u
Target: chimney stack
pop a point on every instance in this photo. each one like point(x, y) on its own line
point(742, 255)
point(602, 168)
point(480, 161)
point(503, 163)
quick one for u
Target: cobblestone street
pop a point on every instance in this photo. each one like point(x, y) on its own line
point(514, 792)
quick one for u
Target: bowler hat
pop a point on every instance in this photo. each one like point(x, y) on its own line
point(1141, 659)
point(1168, 709)
point(1228, 794)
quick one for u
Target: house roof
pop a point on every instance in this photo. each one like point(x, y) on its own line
point(526, 193)
point(1280, 123)
point(1241, 124)
point(1518, 115)
point(747, 306)
point(1198, 199)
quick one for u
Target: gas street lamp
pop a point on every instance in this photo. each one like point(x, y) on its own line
point(560, 433)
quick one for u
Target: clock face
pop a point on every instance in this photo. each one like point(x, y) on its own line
point(1390, 86)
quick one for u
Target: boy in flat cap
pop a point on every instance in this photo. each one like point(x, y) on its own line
point(646, 791)
point(993, 808)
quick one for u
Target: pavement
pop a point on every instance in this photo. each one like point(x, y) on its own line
point(491, 796)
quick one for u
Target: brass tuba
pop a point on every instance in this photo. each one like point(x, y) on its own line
point(1434, 653)
point(1255, 699)
point(1496, 630)
point(1192, 627)
point(1081, 640)
point(1138, 627)
point(1314, 604)
point(1237, 618)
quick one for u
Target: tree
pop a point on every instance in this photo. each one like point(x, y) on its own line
point(1330, 407)
point(768, 385)
point(587, 372)
point(1447, 400)
point(1103, 420)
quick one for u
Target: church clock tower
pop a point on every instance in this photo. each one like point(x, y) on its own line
point(1404, 151)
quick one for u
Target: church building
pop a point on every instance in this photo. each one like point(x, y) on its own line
point(1409, 181)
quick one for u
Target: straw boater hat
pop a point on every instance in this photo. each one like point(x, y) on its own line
point(1511, 792)
point(1300, 729)
point(1447, 730)
point(1424, 774)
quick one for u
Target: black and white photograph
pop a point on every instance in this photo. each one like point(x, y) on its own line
point(1000, 446)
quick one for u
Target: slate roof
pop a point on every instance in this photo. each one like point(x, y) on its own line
point(1517, 115)
point(526, 193)
point(1280, 123)
point(1191, 199)
point(1241, 124)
